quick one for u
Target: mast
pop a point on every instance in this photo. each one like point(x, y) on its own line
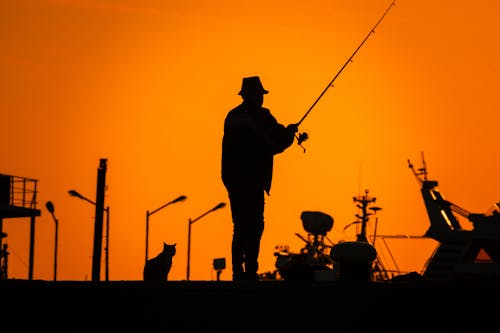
point(362, 203)
point(99, 215)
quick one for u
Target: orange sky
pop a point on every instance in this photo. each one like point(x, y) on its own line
point(147, 84)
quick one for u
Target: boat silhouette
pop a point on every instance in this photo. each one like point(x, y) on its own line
point(471, 253)
point(463, 254)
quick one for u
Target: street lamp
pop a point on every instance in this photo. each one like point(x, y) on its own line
point(220, 205)
point(148, 214)
point(50, 208)
point(75, 194)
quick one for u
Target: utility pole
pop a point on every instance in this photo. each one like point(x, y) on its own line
point(106, 249)
point(99, 215)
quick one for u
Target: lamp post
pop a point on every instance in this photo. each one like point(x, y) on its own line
point(220, 205)
point(75, 194)
point(148, 214)
point(50, 208)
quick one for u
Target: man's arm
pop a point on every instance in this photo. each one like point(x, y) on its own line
point(243, 120)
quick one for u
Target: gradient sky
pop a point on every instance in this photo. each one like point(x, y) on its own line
point(147, 84)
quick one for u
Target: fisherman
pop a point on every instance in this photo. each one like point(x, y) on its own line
point(252, 136)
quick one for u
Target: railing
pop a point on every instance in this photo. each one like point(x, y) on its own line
point(385, 250)
point(18, 191)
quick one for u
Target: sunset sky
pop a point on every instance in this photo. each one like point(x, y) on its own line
point(147, 84)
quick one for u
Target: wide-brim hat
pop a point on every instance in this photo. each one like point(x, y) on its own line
point(251, 85)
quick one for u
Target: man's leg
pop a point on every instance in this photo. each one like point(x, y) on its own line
point(247, 208)
point(253, 234)
point(252, 253)
point(237, 200)
point(237, 254)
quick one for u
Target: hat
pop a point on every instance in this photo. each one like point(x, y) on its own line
point(252, 85)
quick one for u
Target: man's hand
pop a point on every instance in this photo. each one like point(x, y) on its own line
point(293, 128)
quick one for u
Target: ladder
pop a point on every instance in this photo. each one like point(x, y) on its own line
point(443, 262)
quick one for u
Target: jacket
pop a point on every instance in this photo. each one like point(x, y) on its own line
point(252, 136)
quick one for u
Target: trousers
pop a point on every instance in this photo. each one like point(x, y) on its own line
point(247, 210)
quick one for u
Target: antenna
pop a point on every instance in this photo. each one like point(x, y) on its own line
point(359, 179)
point(423, 169)
point(421, 175)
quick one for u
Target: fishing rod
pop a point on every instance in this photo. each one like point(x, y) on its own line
point(301, 137)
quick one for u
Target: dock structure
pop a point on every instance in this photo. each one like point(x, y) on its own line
point(18, 199)
point(249, 306)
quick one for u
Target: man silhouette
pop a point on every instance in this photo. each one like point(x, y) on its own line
point(252, 136)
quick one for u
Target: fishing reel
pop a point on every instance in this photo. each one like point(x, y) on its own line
point(301, 137)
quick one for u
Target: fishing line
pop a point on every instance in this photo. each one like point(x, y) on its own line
point(301, 137)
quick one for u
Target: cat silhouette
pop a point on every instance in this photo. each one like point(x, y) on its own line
point(157, 268)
